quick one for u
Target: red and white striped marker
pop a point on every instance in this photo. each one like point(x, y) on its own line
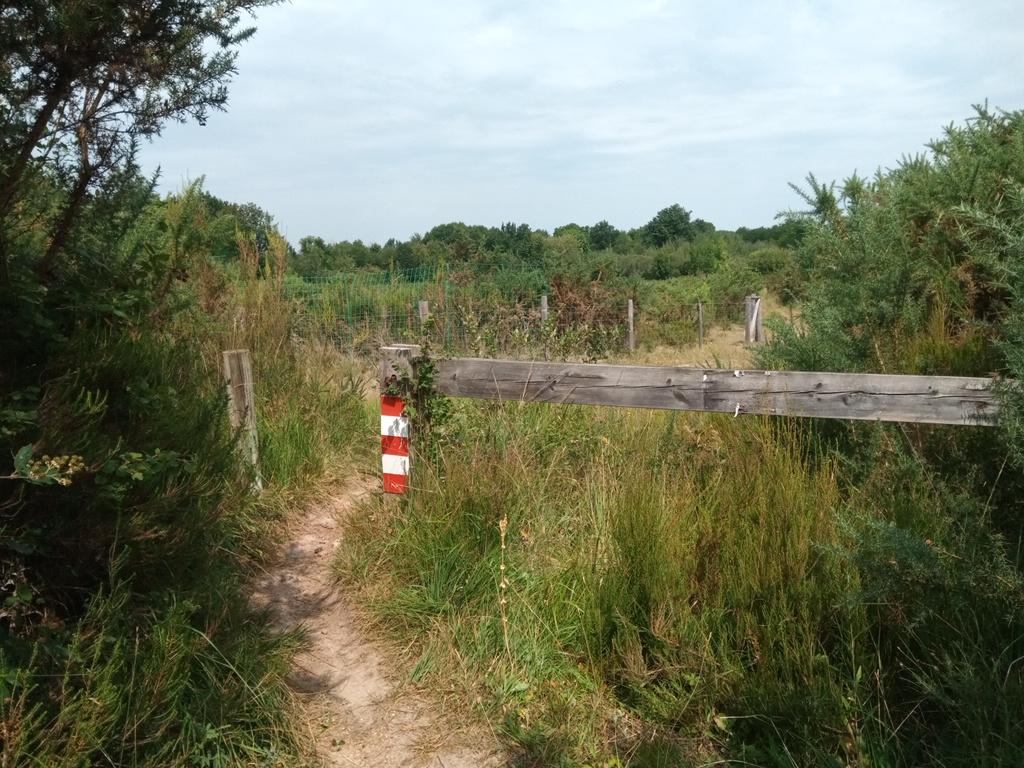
point(394, 443)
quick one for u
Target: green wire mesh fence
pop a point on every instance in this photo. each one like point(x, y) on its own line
point(463, 313)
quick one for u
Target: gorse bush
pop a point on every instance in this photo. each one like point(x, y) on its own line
point(918, 264)
point(915, 271)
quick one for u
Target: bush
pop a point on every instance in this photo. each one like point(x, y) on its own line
point(913, 273)
point(129, 530)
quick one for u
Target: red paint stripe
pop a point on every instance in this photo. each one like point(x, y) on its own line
point(394, 445)
point(391, 406)
point(395, 483)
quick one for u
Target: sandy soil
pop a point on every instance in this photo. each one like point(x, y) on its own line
point(361, 710)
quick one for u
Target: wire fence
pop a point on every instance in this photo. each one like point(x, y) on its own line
point(509, 315)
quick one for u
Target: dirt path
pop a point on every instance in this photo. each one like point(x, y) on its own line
point(361, 712)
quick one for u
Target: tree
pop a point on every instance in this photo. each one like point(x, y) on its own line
point(85, 80)
point(574, 231)
point(603, 236)
point(670, 224)
point(701, 227)
point(456, 236)
point(789, 233)
point(313, 258)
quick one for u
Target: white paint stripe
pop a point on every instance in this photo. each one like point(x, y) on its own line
point(395, 465)
point(395, 426)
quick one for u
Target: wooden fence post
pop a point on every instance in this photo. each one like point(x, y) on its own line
point(544, 322)
point(242, 408)
point(395, 434)
point(632, 332)
point(424, 311)
point(700, 324)
point(753, 332)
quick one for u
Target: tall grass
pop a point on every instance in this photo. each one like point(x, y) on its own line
point(310, 396)
point(655, 575)
point(677, 590)
point(128, 639)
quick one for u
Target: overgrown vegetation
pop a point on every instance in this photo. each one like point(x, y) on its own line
point(655, 590)
point(612, 588)
point(484, 294)
point(127, 528)
point(126, 627)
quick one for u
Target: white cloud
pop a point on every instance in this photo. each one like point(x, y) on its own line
point(461, 110)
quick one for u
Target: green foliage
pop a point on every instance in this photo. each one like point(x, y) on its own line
point(227, 220)
point(83, 84)
point(915, 271)
point(669, 225)
point(603, 236)
point(129, 527)
point(922, 252)
point(138, 611)
point(701, 578)
point(788, 234)
point(631, 589)
point(485, 302)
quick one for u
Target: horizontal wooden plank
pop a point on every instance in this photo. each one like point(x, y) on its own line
point(870, 397)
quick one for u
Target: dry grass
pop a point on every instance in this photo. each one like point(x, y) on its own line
point(723, 346)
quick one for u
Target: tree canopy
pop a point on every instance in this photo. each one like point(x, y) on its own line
point(669, 225)
point(85, 80)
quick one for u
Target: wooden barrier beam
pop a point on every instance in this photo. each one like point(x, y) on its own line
point(869, 397)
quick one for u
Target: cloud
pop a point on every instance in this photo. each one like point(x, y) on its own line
point(467, 109)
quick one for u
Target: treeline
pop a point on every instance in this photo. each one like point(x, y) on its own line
point(669, 245)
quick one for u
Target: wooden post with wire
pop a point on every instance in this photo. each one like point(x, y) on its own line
point(424, 311)
point(632, 331)
point(700, 324)
point(544, 322)
point(753, 329)
point(242, 408)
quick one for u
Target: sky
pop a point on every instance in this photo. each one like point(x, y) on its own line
point(353, 119)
